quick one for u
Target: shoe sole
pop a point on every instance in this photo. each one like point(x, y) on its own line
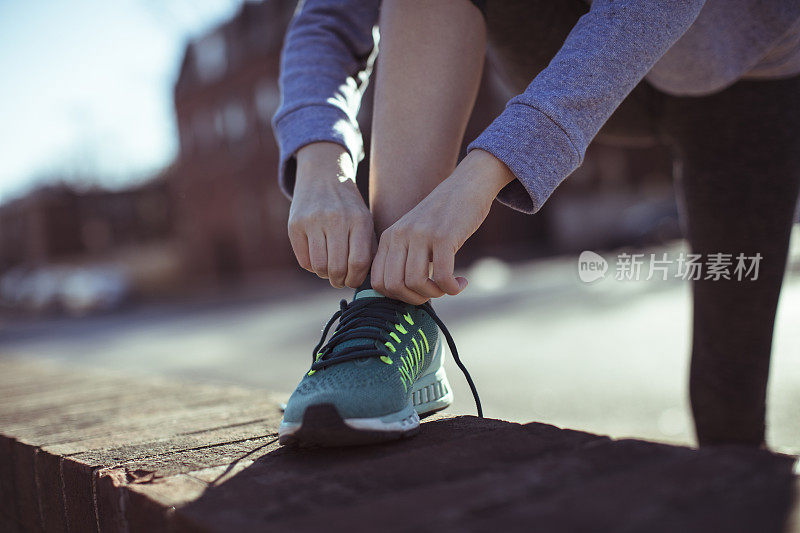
point(322, 425)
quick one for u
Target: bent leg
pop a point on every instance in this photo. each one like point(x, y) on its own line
point(740, 176)
point(429, 69)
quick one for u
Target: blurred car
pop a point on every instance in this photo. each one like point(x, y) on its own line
point(76, 290)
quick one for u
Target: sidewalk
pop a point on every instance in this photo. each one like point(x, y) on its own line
point(89, 450)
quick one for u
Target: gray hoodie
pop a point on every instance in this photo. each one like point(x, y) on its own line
point(687, 47)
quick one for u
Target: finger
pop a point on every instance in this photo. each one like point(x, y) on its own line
point(359, 255)
point(394, 276)
point(378, 263)
point(299, 243)
point(443, 261)
point(318, 253)
point(336, 245)
point(417, 266)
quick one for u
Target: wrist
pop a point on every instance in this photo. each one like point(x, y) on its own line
point(485, 172)
point(325, 161)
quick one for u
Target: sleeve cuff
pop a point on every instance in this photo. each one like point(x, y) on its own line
point(315, 123)
point(536, 150)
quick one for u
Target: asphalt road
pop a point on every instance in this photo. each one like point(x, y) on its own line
point(609, 357)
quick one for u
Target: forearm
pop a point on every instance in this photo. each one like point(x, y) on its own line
point(325, 64)
point(428, 76)
point(543, 133)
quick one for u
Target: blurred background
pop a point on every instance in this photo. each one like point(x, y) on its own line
point(142, 230)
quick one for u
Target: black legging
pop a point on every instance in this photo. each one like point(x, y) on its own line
point(738, 155)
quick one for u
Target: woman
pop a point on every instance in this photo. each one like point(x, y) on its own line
point(716, 79)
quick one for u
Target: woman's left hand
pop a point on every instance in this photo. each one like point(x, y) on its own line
point(435, 230)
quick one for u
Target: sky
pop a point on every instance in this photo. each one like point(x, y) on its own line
point(86, 87)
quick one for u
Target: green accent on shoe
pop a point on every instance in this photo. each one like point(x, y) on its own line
point(427, 346)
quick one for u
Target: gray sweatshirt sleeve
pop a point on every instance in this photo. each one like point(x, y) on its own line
point(325, 65)
point(543, 133)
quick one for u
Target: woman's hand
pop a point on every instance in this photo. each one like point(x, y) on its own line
point(435, 230)
point(330, 227)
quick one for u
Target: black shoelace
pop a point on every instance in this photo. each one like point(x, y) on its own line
point(371, 318)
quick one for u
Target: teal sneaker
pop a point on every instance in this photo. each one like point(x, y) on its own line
point(378, 374)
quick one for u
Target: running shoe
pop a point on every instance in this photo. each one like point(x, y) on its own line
point(378, 374)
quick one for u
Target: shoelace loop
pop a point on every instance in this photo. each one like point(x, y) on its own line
point(372, 318)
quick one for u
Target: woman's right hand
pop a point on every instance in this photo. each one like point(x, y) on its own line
point(330, 227)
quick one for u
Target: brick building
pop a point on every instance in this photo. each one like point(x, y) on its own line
point(231, 217)
point(58, 223)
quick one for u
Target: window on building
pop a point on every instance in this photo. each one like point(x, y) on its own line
point(210, 56)
point(235, 121)
point(267, 98)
